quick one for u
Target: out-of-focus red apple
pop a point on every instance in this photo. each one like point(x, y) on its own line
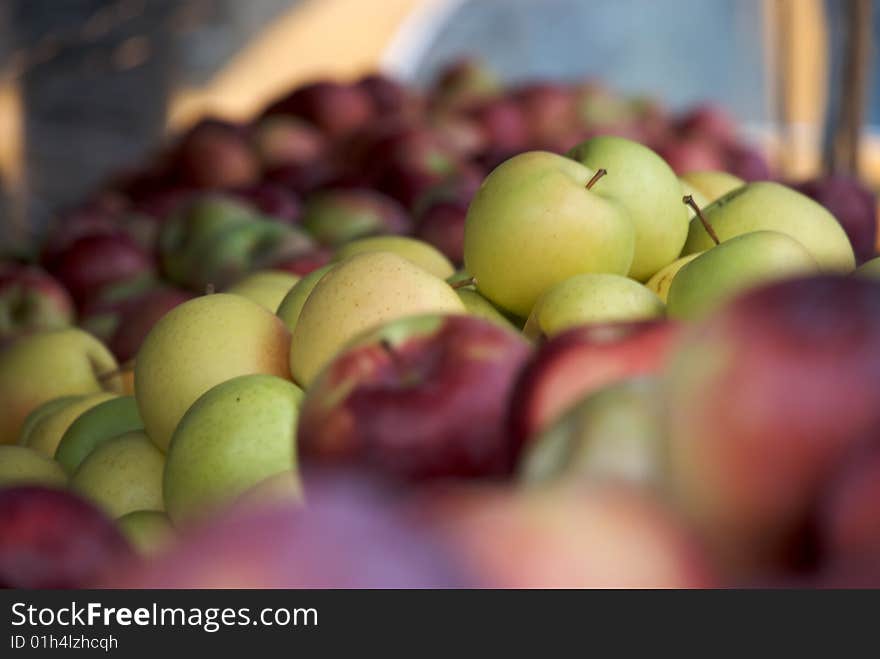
point(304, 263)
point(708, 122)
point(31, 299)
point(420, 398)
point(304, 178)
point(463, 133)
point(691, 155)
point(389, 96)
point(139, 316)
point(766, 397)
point(281, 140)
point(442, 225)
point(216, 154)
point(272, 200)
point(464, 82)
point(550, 109)
point(568, 536)
point(337, 109)
point(747, 162)
point(580, 361)
point(53, 539)
point(504, 123)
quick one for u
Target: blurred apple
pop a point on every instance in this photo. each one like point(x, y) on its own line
point(281, 140)
point(149, 531)
point(100, 423)
point(504, 123)
point(463, 82)
point(420, 398)
point(31, 299)
point(335, 108)
point(549, 109)
point(334, 217)
point(273, 201)
point(22, 465)
point(690, 155)
point(709, 122)
point(746, 162)
point(389, 96)
point(138, 317)
point(441, 224)
point(45, 434)
point(215, 154)
point(305, 262)
point(54, 539)
point(266, 287)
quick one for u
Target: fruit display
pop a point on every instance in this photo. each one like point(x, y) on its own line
point(472, 335)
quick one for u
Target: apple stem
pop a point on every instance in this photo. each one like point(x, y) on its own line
point(464, 283)
point(599, 174)
point(689, 201)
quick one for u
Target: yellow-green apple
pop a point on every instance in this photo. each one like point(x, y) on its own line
point(41, 412)
point(418, 398)
point(50, 538)
point(21, 465)
point(765, 396)
point(291, 306)
point(234, 436)
point(464, 82)
point(661, 280)
point(139, 316)
point(337, 216)
point(589, 299)
point(102, 422)
point(38, 367)
point(640, 181)
point(737, 264)
point(869, 268)
point(774, 207)
point(420, 253)
point(46, 434)
point(197, 345)
point(535, 222)
point(31, 299)
point(266, 287)
point(570, 535)
point(361, 292)
point(122, 474)
point(711, 184)
point(616, 433)
point(148, 531)
point(474, 303)
point(569, 367)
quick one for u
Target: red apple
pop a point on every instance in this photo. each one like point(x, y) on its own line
point(138, 319)
point(691, 155)
point(216, 154)
point(336, 216)
point(442, 225)
point(420, 398)
point(580, 361)
point(504, 123)
point(746, 162)
point(281, 140)
point(30, 299)
point(463, 83)
point(389, 96)
point(53, 539)
point(337, 109)
point(271, 200)
point(305, 262)
point(550, 109)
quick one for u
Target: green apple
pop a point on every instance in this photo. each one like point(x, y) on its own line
point(616, 433)
point(733, 266)
point(869, 268)
point(292, 304)
point(122, 475)
point(361, 292)
point(267, 287)
point(648, 189)
point(711, 184)
point(236, 435)
point(423, 254)
point(534, 223)
point(21, 465)
point(662, 279)
point(197, 345)
point(774, 207)
point(39, 367)
point(47, 433)
point(149, 531)
point(94, 426)
point(46, 409)
point(593, 298)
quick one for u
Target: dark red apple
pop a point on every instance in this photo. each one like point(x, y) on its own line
point(691, 155)
point(707, 122)
point(139, 316)
point(504, 123)
point(304, 178)
point(389, 96)
point(442, 225)
point(464, 82)
point(420, 398)
point(271, 200)
point(570, 366)
point(31, 299)
point(337, 109)
point(305, 262)
point(216, 154)
point(747, 162)
point(53, 539)
point(550, 109)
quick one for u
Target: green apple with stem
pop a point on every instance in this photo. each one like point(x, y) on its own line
point(640, 181)
point(21, 465)
point(422, 254)
point(539, 219)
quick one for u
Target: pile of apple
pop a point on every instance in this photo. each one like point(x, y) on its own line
point(481, 337)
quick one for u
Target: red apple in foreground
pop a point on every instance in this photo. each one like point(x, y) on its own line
point(568, 536)
point(766, 398)
point(580, 361)
point(54, 539)
point(691, 155)
point(30, 299)
point(420, 398)
point(350, 535)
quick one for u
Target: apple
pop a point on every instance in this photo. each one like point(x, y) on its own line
point(869, 269)
point(305, 262)
point(419, 398)
point(573, 535)
point(95, 426)
point(771, 206)
point(215, 154)
point(570, 366)
point(746, 162)
point(46, 434)
point(31, 299)
point(46, 365)
point(362, 291)
point(197, 345)
point(417, 252)
point(101, 313)
point(737, 264)
point(598, 106)
point(690, 154)
point(642, 183)
point(854, 206)
point(303, 178)
point(461, 132)
point(353, 534)
point(661, 280)
point(149, 531)
point(291, 306)
point(138, 317)
point(233, 437)
point(535, 223)
point(21, 465)
point(591, 298)
point(54, 539)
point(334, 217)
point(549, 109)
point(336, 109)
point(765, 397)
point(464, 82)
point(122, 474)
point(616, 433)
point(712, 184)
point(709, 122)
point(281, 140)
point(266, 287)
point(441, 224)
point(271, 200)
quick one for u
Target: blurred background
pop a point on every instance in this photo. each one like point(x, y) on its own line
point(91, 87)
